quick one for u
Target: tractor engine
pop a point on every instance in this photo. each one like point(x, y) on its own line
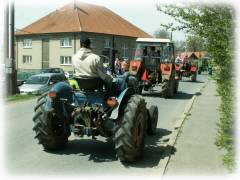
point(90, 120)
point(153, 77)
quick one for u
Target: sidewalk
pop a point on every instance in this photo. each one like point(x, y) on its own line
point(196, 153)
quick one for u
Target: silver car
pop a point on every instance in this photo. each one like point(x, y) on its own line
point(40, 83)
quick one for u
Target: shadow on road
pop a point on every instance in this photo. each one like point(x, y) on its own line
point(178, 95)
point(103, 151)
point(156, 94)
point(98, 151)
point(154, 150)
point(185, 80)
point(183, 95)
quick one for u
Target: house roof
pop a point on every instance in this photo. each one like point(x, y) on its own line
point(182, 55)
point(153, 40)
point(83, 17)
point(199, 54)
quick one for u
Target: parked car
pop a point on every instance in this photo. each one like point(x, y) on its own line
point(22, 76)
point(40, 83)
point(53, 70)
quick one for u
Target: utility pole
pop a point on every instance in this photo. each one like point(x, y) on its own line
point(113, 54)
point(11, 74)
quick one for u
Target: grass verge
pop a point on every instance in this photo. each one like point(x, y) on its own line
point(19, 97)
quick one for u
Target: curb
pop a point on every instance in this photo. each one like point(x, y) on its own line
point(176, 129)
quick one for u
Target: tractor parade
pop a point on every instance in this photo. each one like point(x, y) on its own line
point(116, 109)
point(101, 88)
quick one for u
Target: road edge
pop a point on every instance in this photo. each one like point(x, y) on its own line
point(176, 130)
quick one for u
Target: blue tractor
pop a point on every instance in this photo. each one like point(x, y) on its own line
point(95, 109)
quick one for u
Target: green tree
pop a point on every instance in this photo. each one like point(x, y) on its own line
point(180, 46)
point(161, 33)
point(215, 25)
point(194, 43)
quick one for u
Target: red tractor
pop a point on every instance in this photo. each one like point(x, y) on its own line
point(154, 65)
point(187, 69)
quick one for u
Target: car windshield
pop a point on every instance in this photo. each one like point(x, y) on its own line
point(37, 80)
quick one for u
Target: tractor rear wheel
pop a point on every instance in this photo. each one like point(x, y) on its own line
point(129, 138)
point(176, 86)
point(152, 120)
point(168, 89)
point(51, 131)
point(194, 77)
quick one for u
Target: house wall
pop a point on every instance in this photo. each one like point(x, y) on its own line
point(55, 51)
point(35, 52)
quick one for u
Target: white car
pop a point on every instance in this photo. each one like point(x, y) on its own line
point(40, 83)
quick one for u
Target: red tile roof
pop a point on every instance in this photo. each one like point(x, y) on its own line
point(199, 54)
point(83, 17)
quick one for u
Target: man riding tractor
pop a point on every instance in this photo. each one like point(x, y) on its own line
point(153, 65)
point(188, 68)
point(103, 105)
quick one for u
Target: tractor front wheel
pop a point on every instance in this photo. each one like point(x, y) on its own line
point(152, 120)
point(129, 138)
point(176, 86)
point(168, 89)
point(194, 77)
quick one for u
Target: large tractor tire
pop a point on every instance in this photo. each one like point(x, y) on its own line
point(194, 77)
point(176, 86)
point(140, 89)
point(168, 89)
point(152, 120)
point(51, 131)
point(129, 138)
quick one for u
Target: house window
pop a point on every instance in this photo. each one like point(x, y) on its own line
point(27, 43)
point(66, 42)
point(92, 43)
point(65, 60)
point(125, 51)
point(107, 43)
point(27, 59)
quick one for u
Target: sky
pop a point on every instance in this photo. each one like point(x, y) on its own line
point(142, 13)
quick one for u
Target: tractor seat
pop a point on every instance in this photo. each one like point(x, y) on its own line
point(89, 83)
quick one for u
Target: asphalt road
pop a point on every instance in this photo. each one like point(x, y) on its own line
point(86, 156)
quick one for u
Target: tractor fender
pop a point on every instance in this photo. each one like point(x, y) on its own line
point(166, 68)
point(120, 99)
point(64, 91)
point(193, 69)
point(134, 67)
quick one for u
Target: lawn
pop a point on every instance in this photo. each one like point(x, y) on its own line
point(19, 97)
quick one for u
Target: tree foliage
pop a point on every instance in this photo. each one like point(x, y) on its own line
point(180, 46)
point(194, 43)
point(214, 24)
point(162, 33)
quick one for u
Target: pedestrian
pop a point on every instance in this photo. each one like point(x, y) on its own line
point(178, 60)
point(117, 64)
